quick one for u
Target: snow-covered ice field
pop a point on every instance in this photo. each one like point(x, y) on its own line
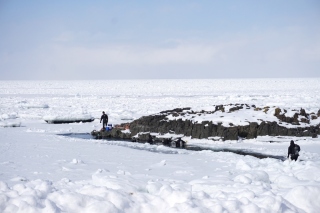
point(42, 171)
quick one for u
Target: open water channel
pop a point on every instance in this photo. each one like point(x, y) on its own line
point(187, 147)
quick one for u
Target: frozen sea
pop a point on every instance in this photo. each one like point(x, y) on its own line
point(43, 171)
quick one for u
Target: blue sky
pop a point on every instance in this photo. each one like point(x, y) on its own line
point(72, 40)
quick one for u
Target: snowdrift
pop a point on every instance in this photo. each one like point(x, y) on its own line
point(68, 119)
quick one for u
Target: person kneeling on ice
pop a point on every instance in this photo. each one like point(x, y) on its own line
point(104, 119)
point(293, 150)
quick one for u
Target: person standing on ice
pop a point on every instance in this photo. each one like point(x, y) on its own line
point(104, 119)
point(293, 150)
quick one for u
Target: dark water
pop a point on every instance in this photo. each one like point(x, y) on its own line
point(192, 147)
point(78, 135)
point(236, 151)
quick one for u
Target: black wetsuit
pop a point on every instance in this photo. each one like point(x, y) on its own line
point(294, 150)
point(104, 119)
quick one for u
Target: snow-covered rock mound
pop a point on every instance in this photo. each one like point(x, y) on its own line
point(232, 121)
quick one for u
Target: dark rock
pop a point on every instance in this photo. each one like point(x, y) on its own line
point(114, 133)
point(220, 108)
point(304, 120)
point(263, 129)
point(283, 118)
point(232, 109)
point(197, 131)
point(295, 118)
point(177, 110)
point(230, 133)
point(144, 137)
point(117, 133)
point(253, 130)
point(243, 131)
point(277, 112)
point(303, 112)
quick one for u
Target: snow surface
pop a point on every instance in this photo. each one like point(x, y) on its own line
point(42, 171)
point(243, 117)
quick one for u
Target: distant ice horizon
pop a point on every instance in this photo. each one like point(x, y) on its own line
point(164, 78)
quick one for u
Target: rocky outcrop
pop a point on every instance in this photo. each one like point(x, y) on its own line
point(115, 133)
point(181, 121)
point(292, 120)
point(160, 124)
point(208, 129)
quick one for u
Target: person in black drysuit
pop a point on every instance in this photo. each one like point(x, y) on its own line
point(293, 151)
point(104, 119)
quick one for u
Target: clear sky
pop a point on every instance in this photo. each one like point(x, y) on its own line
point(73, 40)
